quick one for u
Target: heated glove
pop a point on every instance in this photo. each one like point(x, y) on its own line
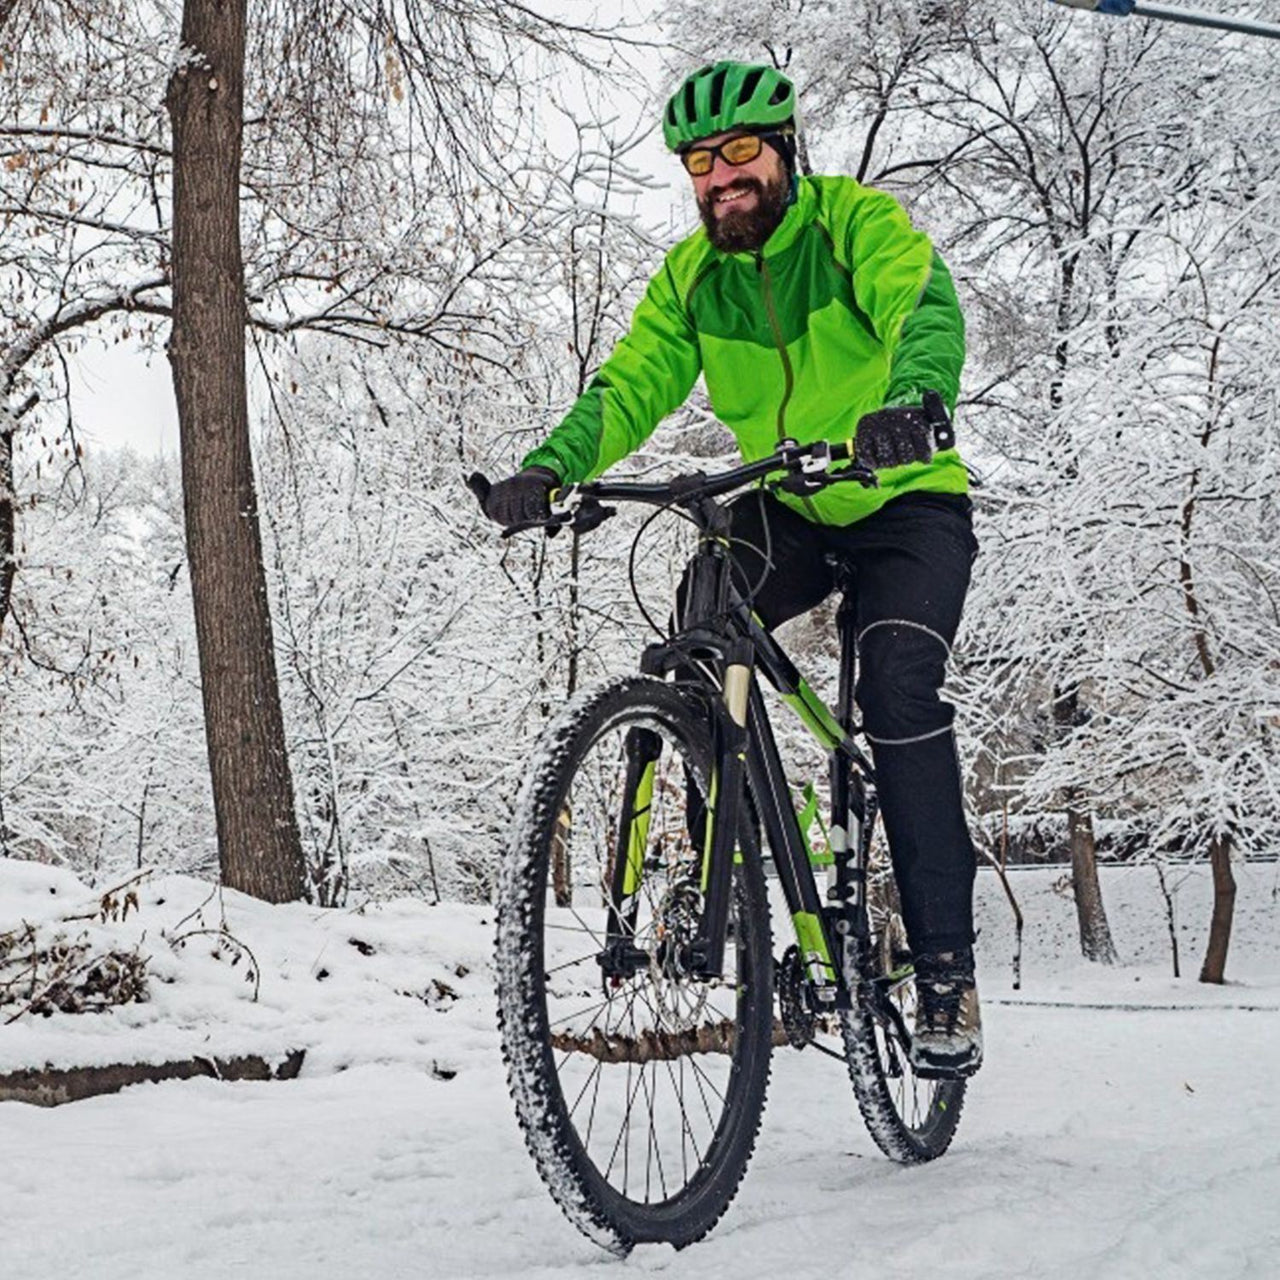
point(522, 498)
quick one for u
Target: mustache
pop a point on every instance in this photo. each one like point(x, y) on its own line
point(745, 183)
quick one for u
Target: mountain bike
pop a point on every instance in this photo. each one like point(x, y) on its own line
point(635, 969)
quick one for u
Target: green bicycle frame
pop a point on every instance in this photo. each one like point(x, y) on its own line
point(748, 780)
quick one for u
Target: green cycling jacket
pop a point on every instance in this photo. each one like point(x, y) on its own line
point(846, 309)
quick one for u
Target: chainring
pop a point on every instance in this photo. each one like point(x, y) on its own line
point(799, 1019)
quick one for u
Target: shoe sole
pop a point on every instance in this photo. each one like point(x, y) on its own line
point(959, 1068)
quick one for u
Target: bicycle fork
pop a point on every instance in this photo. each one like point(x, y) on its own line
point(701, 956)
point(724, 813)
point(744, 750)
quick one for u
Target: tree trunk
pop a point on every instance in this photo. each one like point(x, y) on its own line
point(258, 841)
point(8, 550)
point(1224, 884)
point(561, 869)
point(1224, 904)
point(1095, 931)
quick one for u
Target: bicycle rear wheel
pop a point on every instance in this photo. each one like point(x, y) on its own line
point(640, 1097)
point(911, 1119)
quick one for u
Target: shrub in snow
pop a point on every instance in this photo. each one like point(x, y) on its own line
point(61, 974)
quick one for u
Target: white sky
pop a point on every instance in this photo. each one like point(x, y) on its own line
point(121, 396)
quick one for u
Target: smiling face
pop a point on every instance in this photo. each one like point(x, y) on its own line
point(742, 204)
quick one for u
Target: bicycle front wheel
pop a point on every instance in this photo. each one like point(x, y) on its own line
point(640, 1096)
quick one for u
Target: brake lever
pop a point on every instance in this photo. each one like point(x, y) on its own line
point(858, 473)
point(586, 514)
point(552, 526)
point(591, 514)
point(803, 484)
point(799, 483)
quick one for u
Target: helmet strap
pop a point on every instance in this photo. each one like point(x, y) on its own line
point(785, 146)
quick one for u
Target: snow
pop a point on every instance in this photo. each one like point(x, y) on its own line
point(1101, 1141)
point(319, 990)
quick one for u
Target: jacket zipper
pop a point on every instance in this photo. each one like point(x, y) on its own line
point(788, 373)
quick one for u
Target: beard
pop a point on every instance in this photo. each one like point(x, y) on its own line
point(744, 231)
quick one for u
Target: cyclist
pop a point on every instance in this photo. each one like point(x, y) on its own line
point(815, 310)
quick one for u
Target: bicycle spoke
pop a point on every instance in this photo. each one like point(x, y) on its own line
point(649, 1150)
point(626, 1122)
point(565, 928)
point(595, 937)
point(593, 1009)
point(702, 1075)
point(594, 1075)
point(568, 964)
point(697, 1079)
point(595, 1098)
point(686, 1130)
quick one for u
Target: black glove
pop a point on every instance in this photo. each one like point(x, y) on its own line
point(522, 498)
point(894, 437)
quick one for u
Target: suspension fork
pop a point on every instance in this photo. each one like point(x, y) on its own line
point(726, 810)
point(724, 805)
point(642, 748)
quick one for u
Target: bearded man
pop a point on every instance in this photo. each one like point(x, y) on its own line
point(815, 310)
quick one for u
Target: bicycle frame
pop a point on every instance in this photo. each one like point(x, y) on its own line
point(724, 645)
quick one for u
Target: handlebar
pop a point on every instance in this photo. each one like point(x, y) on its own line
point(808, 469)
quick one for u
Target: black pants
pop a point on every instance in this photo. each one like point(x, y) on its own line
point(912, 559)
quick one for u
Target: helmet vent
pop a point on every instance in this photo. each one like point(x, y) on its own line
point(779, 94)
point(749, 85)
point(717, 90)
point(690, 105)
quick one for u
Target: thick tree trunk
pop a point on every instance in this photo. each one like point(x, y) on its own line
point(1095, 931)
point(258, 842)
point(1214, 968)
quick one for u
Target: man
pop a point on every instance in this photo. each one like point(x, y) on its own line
point(815, 310)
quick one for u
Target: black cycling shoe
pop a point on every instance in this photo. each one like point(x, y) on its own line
point(947, 1043)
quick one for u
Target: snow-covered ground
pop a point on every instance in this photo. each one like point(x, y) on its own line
point(1125, 1126)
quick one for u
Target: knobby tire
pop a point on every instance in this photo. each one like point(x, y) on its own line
point(563, 782)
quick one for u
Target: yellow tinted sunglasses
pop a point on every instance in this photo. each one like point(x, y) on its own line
point(699, 161)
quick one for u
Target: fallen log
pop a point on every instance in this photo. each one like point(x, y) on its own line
point(49, 1087)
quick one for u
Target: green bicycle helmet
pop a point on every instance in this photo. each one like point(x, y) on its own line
point(727, 95)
